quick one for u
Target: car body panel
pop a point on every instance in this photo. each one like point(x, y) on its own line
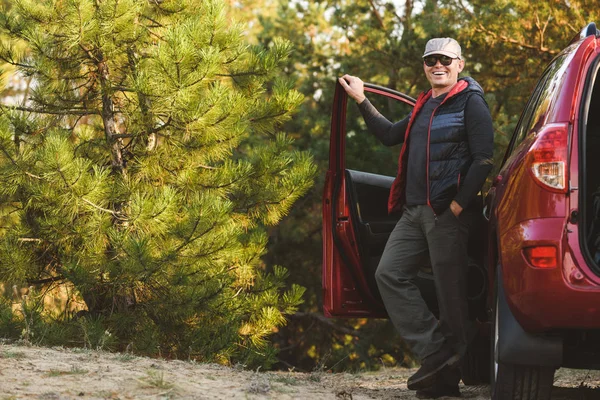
point(522, 214)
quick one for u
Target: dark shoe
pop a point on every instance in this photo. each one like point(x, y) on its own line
point(438, 390)
point(431, 367)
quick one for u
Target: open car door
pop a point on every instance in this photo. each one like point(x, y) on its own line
point(356, 224)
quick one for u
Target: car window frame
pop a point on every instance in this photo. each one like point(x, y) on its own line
point(531, 117)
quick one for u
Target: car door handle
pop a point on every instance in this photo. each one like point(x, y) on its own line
point(489, 199)
point(486, 213)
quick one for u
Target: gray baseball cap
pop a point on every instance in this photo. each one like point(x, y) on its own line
point(445, 46)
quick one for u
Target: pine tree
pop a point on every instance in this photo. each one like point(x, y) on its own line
point(143, 169)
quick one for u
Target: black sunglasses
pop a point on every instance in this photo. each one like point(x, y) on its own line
point(430, 61)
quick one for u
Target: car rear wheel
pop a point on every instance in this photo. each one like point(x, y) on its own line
point(513, 381)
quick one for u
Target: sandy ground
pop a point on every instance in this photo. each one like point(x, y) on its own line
point(56, 373)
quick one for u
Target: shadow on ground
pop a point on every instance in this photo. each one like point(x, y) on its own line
point(473, 393)
point(579, 393)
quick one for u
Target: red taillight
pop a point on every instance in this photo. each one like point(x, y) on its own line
point(541, 256)
point(548, 157)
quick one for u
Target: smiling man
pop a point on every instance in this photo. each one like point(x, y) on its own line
point(445, 158)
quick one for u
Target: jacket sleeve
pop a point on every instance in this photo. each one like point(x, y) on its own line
point(388, 133)
point(480, 133)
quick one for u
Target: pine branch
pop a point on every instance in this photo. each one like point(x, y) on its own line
point(8, 156)
point(165, 124)
point(379, 19)
point(123, 89)
point(62, 175)
point(113, 213)
point(30, 240)
point(33, 176)
point(49, 112)
point(231, 60)
point(155, 22)
point(125, 135)
point(240, 74)
point(89, 53)
point(221, 119)
point(72, 128)
point(17, 64)
point(269, 116)
point(45, 281)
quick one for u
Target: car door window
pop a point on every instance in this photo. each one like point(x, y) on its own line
point(540, 102)
point(364, 152)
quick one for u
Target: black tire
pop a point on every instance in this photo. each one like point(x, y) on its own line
point(475, 364)
point(513, 381)
point(524, 382)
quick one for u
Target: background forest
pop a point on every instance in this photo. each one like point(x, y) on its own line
point(273, 85)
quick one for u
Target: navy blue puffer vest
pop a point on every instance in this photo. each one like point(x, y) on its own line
point(448, 150)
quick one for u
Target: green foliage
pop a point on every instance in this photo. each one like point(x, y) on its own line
point(10, 324)
point(143, 169)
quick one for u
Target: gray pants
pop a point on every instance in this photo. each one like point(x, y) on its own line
point(418, 237)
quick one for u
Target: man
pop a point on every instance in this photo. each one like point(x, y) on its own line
point(445, 158)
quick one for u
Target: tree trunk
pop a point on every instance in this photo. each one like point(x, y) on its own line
point(144, 102)
point(108, 117)
point(105, 298)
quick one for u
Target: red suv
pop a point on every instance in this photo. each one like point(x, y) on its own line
point(534, 281)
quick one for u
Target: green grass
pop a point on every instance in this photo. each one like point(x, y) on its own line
point(74, 371)
point(315, 377)
point(80, 350)
point(286, 379)
point(157, 379)
point(15, 355)
point(125, 357)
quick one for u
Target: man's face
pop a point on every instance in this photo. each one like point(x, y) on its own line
point(442, 76)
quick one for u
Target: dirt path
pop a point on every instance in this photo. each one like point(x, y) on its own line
point(43, 373)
